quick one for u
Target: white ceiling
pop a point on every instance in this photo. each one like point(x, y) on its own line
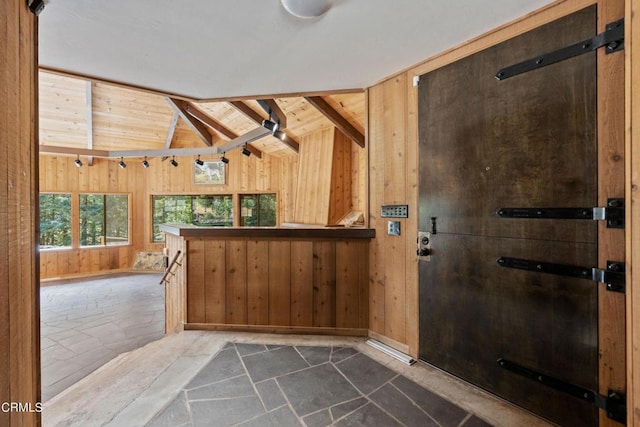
point(230, 48)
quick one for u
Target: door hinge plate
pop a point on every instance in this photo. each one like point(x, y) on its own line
point(612, 39)
point(614, 404)
point(613, 276)
point(613, 213)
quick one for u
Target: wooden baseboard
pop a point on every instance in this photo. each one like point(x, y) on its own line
point(355, 332)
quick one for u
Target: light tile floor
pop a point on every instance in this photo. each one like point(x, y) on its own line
point(86, 323)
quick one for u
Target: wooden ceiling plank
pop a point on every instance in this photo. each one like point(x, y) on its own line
point(257, 118)
point(196, 126)
point(89, 93)
point(273, 108)
point(209, 121)
point(337, 119)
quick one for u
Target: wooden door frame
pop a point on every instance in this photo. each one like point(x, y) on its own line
point(611, 183)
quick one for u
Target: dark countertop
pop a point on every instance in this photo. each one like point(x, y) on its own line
point(296, 231)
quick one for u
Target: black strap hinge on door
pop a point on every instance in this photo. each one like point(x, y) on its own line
point(612, 39)
point(613, 213)
point(613, 277)
point(614, 403)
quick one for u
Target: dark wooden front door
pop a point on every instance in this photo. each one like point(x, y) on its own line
point(528, 141)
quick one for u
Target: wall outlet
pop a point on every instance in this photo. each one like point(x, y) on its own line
point(393, 228)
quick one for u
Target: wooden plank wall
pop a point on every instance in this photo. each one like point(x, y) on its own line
point(59, 174)
point(288, 177)
point(283, 285)
point(19, 291)
point(175, 295)
point(632, 180)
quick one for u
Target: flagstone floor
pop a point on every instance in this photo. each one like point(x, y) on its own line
point(273, 385)
point(85, 323)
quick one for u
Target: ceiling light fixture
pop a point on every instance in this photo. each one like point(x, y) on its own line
point(223, 159)
point(173, 162)
point(145, 163)
point(78, 162)
point(307, 9)
point(121, 163)
point(246, 151)
point(198, 162)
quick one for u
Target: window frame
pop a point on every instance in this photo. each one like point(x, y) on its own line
point(104, 244)
point(258, 194)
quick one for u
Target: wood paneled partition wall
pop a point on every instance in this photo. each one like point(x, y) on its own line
point(321, 185)
point(19, 293)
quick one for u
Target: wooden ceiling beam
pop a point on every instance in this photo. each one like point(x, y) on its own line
point(196, 126)
point(209, 121)
point(337, 119)
point(254, 151)
point(273, 109)
point(249, 112)
point(253, 115)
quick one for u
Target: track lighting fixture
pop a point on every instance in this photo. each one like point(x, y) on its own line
point(78, 162)
point(246, 151)
point(145, 163)
point(121, 163)
point(173, 162)
point(223, 159)
point(198, 162)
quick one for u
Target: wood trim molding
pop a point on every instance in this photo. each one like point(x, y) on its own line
point(349, 332)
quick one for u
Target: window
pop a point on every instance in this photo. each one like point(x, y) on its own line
point(258, 210)
point(104, 219)
point(55, 220)
point(207, 210)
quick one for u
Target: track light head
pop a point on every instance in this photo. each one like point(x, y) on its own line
point(198, 162)
point(78, 162)
point(246, 151)
point(223, 159)
point(121, 163)
point(173, 162)
point(145, 163)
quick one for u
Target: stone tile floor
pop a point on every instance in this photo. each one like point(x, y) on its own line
point(86, 323)
point(302, 385)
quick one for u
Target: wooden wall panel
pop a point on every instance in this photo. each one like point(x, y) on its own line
point(19, 293)
point(278, 285)
point(258, 278)
point(196, 281)
point(279, 265)
point(324, 284)
point(175, 291)
point(59, 174)
point(302, 283)
point(341, 187)
point(215, 291)
point(236, 282)
point(632, 231)
point(314, 183)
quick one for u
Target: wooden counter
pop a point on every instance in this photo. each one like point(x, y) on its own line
point(284, 280)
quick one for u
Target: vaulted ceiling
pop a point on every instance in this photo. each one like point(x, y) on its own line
point(190, 74)
point(85, 117)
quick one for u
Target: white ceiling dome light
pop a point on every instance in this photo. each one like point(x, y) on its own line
point(307, 9)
